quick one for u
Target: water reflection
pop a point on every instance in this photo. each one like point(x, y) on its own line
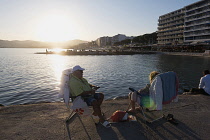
point(57, 64)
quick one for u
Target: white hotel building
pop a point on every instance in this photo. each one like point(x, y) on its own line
point(108, 41)
point(188, 25)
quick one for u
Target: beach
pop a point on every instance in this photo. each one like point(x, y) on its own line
point(46, 121)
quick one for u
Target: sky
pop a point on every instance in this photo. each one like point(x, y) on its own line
point(63, 20)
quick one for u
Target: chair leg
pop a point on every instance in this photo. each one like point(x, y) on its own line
point(142, 111)
point(156, 119)
point(68, 121)
point(83, 126)
point(68, 131)
point(145, 118)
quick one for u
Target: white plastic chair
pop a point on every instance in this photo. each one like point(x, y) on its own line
point(68, 100)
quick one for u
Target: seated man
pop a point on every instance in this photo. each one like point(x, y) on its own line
point(79, 86)
point(204, 85)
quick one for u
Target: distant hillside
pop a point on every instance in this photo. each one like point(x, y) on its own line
point(146, 39)
point(38, 44)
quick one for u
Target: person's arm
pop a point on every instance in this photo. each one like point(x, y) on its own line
point(145, 90)
point(201, 84)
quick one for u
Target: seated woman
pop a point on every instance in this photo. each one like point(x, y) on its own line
point(134, 98)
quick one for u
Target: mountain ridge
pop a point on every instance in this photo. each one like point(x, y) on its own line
point(39, 44)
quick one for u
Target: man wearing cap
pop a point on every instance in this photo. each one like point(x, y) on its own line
point(79, 86)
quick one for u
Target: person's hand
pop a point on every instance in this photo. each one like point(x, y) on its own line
point(96, 87)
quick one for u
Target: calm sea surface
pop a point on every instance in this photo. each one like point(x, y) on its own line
point(26, 77)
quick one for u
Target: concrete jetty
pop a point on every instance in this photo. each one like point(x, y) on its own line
point(45, 121)
point(97, 52)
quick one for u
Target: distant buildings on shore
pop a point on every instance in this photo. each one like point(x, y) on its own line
point(188, 25)
point(108, 41)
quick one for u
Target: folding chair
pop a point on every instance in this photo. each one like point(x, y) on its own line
point(163, 90)
point(68, 100)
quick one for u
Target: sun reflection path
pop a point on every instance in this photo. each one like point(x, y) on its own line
point(58, 50)
point(58, 64)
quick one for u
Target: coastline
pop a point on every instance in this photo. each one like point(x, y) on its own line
point(46, 121)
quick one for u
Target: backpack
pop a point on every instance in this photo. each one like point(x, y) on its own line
point(119, 116)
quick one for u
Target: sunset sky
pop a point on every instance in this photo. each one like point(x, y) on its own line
point(62, 20)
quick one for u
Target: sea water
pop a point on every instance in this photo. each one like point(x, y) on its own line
point(26, 77)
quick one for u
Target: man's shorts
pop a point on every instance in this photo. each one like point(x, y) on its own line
point(91, 98)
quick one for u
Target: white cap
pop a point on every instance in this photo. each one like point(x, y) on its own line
point(77, 67)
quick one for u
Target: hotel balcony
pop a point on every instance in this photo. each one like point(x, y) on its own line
point(196, 12)
point(197, 18)
point(171, 29)
point(197, 39)
point(171, 37)
point(195, 6)
point(170, 20)
point(195, 23)
point(196, 29)
point(172, 14)
point(171, 24)
point(196, 34)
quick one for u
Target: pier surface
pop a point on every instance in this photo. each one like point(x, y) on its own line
point(45, 121)
point(98, 52)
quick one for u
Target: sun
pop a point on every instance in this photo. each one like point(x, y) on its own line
point(55, 28)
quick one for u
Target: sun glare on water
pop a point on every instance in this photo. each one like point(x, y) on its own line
point(57, 50)
point(55, 28)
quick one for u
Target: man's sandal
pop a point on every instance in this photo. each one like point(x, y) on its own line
point(171, 119)
point(106, 124)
